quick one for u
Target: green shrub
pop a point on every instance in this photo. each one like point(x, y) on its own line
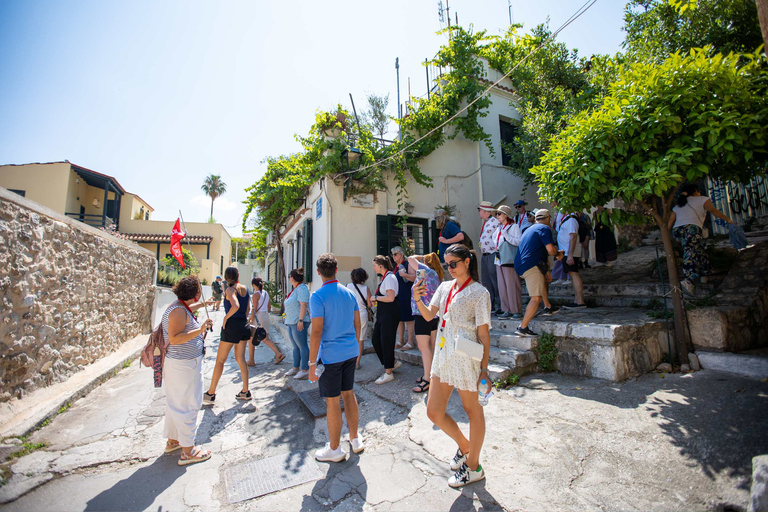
point(547, 349)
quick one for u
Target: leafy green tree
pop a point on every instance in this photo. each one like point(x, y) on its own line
point(191, 265)
point(213, 188)
point(376, 117)
point(692, 116)
point(657, 28)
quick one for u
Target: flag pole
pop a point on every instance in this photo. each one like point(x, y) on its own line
point(189, 247)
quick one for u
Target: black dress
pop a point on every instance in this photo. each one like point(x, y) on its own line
point(385, 328)
point(605, 242)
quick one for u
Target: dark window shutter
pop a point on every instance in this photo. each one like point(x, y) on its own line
point(308, 262)
point(508, 132)
point(434, 238)
point(383, 234)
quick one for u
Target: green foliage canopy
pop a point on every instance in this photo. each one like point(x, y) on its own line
point(695, 115)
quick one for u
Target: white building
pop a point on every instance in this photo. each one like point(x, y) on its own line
point(463, 173)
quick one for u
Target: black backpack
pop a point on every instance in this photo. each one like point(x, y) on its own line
point(467, 241)
point(584, 227)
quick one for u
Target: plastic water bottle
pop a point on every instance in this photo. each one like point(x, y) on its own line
point(482, 397)
point(319, 369)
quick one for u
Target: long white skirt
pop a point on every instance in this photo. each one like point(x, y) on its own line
point(183, 380)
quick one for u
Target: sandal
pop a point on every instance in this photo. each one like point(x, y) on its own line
point(420, 380)
point(424, 386)
point(172, 447)
point(251, 363)
point(196, 455)
point(279, 359)
point(407, 346)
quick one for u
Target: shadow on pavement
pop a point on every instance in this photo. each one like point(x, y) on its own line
point(344, 482)
point(716, 420)
point(139, 491)
point(476, 491)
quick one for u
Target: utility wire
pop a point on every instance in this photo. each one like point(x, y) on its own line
point(584, 8)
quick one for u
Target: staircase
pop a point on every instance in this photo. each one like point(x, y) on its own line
point(607, 343)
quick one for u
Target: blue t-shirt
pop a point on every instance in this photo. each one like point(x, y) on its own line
point(449, 231)
point(336, 305)
point(533, 248)
point(293, 305)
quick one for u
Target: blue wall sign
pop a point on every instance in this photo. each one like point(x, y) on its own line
point(319, 208)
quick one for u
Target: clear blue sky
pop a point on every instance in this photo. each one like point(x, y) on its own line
point(160, 94)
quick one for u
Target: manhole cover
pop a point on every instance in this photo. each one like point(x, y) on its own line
point(260, 477)
point(316, 404)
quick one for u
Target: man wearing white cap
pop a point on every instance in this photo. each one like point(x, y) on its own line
point(488, 249)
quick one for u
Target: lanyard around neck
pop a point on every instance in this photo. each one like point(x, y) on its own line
point(451, 295)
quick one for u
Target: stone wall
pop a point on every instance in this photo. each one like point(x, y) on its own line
point(740, 319)
point(71, 294)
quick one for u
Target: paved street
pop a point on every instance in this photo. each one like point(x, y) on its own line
point(674, 442)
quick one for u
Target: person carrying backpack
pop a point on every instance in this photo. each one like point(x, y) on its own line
point(183, 371)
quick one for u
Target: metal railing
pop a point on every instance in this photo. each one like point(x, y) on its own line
point(97, 221)
point(737, 201)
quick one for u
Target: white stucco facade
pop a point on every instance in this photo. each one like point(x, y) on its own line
point(463, 173)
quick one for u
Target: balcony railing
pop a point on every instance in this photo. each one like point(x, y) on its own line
point(97, 221)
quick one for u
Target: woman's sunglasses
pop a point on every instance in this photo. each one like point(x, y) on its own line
point(453, 264)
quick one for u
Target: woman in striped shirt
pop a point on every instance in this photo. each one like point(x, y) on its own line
point(183, 371)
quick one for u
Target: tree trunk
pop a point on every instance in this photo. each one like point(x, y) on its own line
point(682, 336)
point(762, 14)
point(210, 219)
point(280, 266)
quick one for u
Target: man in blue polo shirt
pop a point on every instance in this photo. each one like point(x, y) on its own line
point(531, 262)
point(333, 342)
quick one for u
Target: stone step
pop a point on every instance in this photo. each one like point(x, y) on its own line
point(503, 362)
point(513, 341)
point(608, 290)
point(747, 365)
point(621, 301)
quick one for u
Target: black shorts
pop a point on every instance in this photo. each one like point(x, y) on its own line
point(423, 328)
point(571, 268)
point(237, 330)
point(337, 377)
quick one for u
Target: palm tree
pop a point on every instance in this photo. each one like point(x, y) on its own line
point(213, 187)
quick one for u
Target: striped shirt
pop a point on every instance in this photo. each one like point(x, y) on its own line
point(189, 350)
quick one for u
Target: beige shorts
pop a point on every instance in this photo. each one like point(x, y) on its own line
point(263, 317)
point(535, 282)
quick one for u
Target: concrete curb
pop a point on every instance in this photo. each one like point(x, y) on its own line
point(20, 417)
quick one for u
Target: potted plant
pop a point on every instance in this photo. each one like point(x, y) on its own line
point(332, 124)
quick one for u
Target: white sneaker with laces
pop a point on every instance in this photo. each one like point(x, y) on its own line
point(357, 444)
point(291, 372)
point(301, 375)
point(326, 454)
point(385, 377)
point(465, 476)
point(458, 460)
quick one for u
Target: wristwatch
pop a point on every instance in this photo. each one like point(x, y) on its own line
point(313, 363)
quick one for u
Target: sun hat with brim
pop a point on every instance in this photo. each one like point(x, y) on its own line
point(506, 210)
point(487, 206)
point(542, 214)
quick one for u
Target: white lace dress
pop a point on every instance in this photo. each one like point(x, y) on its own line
point(469, 309)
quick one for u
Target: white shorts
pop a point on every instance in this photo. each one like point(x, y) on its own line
point(263, 317)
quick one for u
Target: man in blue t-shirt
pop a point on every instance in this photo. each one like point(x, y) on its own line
point(333, 341)
point(531, 262)
point(450, 233)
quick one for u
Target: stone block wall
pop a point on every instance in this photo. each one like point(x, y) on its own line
point(740, 320)
point(71, 294)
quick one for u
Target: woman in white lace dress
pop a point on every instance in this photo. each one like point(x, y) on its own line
point(464, 309)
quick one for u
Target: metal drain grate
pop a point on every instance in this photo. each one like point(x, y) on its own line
point(260, 477)
point(316, 404)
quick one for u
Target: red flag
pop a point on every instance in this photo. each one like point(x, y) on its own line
point(176, 235)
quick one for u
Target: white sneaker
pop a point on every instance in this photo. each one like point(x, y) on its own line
point(292, 371)
point(357, 444)
point(385, 377)
point(458, 460)
point(326, 454)
point(301, 375)
point(465, 476)
point(398, 364)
